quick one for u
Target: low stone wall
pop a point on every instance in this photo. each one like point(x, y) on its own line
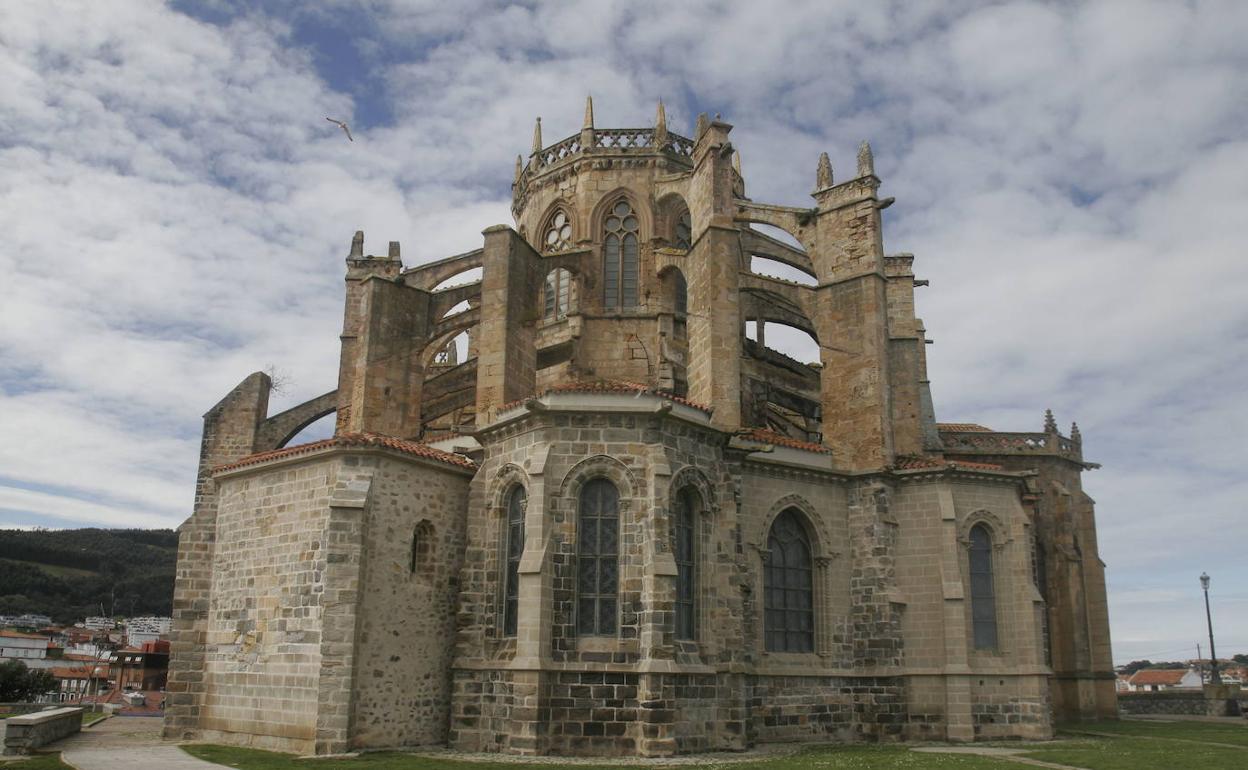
point(1179, 702)
point(24, 734)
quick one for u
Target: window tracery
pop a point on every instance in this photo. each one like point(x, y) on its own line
point(558, 233)
point(788, 587)
point(597, 565)
point(620, 245)
point(684, 548)
point(515, 548)
point(558, 291)
point(983, 598)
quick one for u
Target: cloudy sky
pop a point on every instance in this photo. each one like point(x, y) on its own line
point(1073, 178)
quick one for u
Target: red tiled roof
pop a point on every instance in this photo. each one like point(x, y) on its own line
point(764, 436)
point(962, 427)
point(611, 386)
point(1169, 676)
point(912, 462)
point(22, 635)
point(355, 440)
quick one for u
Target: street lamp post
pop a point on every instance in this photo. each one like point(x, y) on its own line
point(1214, 678)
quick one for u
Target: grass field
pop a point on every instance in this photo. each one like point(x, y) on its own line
point(1134, 745)
point(39, 762)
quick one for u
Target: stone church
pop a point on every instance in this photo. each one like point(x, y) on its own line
point(580, 506)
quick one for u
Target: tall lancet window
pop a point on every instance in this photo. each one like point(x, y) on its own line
point(515, 547)
point(619, 257)
point(788, 587)
point(983, 595)
point(684, 549)
point(597, 558)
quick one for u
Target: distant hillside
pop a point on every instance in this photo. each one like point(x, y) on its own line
point(70, 574)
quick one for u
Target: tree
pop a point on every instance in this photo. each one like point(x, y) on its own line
point(18, 683)
point(1134, 666)
point(1241, 659)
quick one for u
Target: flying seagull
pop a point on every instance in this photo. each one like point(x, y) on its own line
point(341, 125)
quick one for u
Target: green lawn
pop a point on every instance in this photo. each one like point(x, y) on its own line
point(92, 716)
point(1135, 746)
point(38, 762)
point(822, 758)
point(1211, 732)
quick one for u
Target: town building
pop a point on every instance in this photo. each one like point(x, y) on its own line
point(616, 521)
point(22, 646)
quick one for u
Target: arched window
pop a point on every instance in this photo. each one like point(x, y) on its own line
point(788, 587)
point(983, 598)
point(597, 563)
point(422, 547)
point(515, 547)
point(684, 548)
point(682, 236)
point(619, 257)
point(558, 292)
point(681, 302)
point(558, 232)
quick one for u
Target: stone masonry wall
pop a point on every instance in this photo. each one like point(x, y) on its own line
point(262, 666)
point(406, 631)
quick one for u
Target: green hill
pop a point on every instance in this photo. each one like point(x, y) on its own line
point(74, 573)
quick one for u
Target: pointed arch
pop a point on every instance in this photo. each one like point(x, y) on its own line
point(789, 585)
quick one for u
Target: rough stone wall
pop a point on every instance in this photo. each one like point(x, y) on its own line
point(406, 626)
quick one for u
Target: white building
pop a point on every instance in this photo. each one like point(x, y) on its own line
point(22, 646)
point(147, 629)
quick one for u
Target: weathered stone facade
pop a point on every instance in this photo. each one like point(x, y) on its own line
point(632, 528)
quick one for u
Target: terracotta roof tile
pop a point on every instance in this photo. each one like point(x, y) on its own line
point(962, 427)
point(1169, 676)
point(355, 440)
point(765, 436)
point(611, 386)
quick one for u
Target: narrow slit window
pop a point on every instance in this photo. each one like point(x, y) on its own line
point(983, 593)
point(684, 547)
point(515, 548)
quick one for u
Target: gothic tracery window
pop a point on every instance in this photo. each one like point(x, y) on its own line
point(558, 233)
point(788, 587)
point(983, 594)
point(684, 549)
point(515, 548)
point(619, 273)
point(597, 563)
point(557, 293)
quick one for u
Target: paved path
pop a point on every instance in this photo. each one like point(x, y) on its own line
point(126, 743)
point(1009, 755)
